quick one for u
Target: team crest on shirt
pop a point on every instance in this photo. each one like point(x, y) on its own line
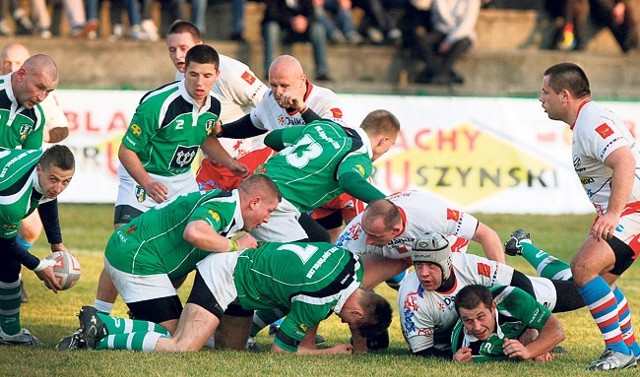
point(136, 130)
point(210, 124)
point(183, 156)
point(141, 194)
point(604, 130)
point(25, 130)
point(215, 215)
point(248, 77)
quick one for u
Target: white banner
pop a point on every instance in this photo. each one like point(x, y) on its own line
point(491, 155)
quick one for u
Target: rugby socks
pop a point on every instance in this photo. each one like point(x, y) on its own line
point(103, 307)
point(130, 334)
point(624, 318)
point(10, 301)
point(137, 341)
point(546, 264)
point(603, 306)
point(125, 326)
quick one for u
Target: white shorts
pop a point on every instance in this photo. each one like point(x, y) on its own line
point(134, 288)
point(130, 193)
point(545, 291)
point(217, 272)
point(282, 226)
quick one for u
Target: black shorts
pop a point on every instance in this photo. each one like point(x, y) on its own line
point(625, 256)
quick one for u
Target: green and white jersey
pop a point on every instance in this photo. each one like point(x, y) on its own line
point(20, 192)
point(153, 242)
point(315, 155)
point(306, 280)
point(516, 311)
point(19, 127)
point(168, 128)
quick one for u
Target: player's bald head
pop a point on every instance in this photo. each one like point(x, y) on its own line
point(286, 65)
point(13, 56)
point(43, 65)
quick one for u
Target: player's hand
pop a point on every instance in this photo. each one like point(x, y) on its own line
point(44, 271)
point(239, 169)
point(463, 354)
point(157, 191)
point(217, 128)
point(515, 350)
point(341, 349)
point(604, 226)
point(247, 241)
point(544, 358)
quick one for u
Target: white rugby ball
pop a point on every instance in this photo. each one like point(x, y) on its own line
point(66, 269)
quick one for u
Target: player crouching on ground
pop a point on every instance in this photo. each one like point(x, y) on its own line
point(306, 281)
point(503, 323)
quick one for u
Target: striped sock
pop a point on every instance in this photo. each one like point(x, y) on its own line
point(624, 317)
point(603, 306)
point(545, 264)
point(126, 326)
point(135, 341)
point(10, 301)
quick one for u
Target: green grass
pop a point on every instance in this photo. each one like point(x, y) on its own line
point(87, 227)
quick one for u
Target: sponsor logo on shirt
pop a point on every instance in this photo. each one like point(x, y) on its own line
point(604, 130)
point(337, 113)
point(215, 215)
point(183, 157)
point(248, 77)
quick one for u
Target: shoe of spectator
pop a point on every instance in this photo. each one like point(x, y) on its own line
point(83, 31)
point(354, 38)
point(92, 36)
point(45, 34)
point(5, 30)
point(439, 79)
point(136, 33)
point(23, 23)
point(150, 28)
point(22, 338)
point(237, 37)
point(72, 342)
point(338, 38)
point(513, 245)
point(323, 77)
point(394, 36)
point(375, 35)
point(456, 78)
point(118, 32)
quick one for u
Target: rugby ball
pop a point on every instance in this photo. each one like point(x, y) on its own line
point(66, 269)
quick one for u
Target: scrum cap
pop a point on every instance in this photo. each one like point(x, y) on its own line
point(433, 248)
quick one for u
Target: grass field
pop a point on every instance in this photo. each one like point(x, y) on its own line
point(87, 227)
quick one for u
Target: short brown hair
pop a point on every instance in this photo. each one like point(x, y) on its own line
point(568, 76)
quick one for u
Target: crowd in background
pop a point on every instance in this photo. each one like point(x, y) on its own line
point(434, 33)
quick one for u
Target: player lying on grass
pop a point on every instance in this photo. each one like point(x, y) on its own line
point(503, 323)
point(306, 281)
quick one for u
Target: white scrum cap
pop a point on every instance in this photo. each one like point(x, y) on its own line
point(433, 248)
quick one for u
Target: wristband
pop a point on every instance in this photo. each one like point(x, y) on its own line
point(233, 245)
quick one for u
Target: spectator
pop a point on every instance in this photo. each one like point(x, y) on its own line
point(453, 34)
point(296, 20)
point(379, 24)
point(618, 17)
point(345, 30)
point(22, 20)
point(75, 14)
point(237, 20)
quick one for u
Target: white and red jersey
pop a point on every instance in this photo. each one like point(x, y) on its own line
point(428, 317)
point(268, 115)
point(421, 213)
point(239, 91)
point(597, 132)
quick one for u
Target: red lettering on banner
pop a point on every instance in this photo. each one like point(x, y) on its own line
point(392, 176)
point(430, 139)
point(84, 122)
